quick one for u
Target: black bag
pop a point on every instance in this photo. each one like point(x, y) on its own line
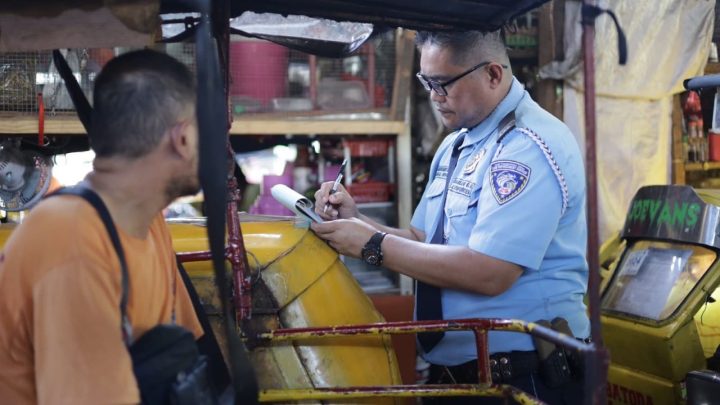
point(169, 368)
point(167, 364)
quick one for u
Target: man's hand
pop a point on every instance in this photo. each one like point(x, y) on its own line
point(341, 204)
point(347, 236)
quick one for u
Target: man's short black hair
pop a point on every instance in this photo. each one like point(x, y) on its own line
point(138, 96)
point(467, 46)
point(455, 40)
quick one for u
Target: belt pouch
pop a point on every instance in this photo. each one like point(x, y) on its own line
point(554, 368)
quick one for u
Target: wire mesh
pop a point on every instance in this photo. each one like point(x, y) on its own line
point(264, 77)
point(18, 80)
point(27, 76)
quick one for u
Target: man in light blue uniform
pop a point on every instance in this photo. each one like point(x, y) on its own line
point(512, 239)
point(506, 201)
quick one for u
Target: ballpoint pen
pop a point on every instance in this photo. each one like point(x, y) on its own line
point(335, 185)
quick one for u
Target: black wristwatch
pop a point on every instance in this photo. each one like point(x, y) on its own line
point(371, 252)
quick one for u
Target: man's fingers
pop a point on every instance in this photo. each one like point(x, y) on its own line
point(339, 198)
point(321, 200)
point(328, 215)
point(325, 228)
point(325, 188)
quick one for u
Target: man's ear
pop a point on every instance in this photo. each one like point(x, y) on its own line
point(179, 139)
point(496, 72)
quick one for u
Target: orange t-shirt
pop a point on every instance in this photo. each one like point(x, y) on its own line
point(54, 185)
point(60, 334)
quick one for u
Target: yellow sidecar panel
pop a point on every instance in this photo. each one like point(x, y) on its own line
point(299, 282)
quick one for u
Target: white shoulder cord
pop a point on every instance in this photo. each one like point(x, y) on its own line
point(551, 160)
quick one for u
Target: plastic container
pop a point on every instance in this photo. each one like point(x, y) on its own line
point(245, 104)
point(341, 95)
point(367, 148)
point(714, 145)
point(267, 205)
point(258, 69)
point(291, 104)
point(370, 192)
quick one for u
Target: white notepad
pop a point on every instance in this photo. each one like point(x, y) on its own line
point(295, 202)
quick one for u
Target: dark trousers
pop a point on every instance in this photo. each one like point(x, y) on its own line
point(569, 394)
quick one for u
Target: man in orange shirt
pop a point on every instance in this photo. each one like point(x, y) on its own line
point(60, 278)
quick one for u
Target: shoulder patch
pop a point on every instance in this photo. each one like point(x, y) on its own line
point(508, 179)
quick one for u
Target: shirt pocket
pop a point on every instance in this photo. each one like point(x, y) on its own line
point(462, 198)
point(436, 188)
point(433, 199)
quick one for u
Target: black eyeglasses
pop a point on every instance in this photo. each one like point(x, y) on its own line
point(440, 88)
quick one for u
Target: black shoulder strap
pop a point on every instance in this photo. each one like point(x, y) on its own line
point(97, 203)
point(506, 125)
point(81, 103)
point(207, 344)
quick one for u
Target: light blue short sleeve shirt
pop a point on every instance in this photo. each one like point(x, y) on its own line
point(521, 200)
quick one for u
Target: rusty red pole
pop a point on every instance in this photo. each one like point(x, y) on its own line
point(312, 61)
point(236, 254)
point(186, 257)
point(235, 248)
point(595, 383)
point(591, 172)
point(483, 357)
point(371, 74)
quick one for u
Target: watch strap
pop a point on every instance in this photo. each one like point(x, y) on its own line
point(377, 238)
point(373, 247)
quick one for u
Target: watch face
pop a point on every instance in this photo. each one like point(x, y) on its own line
point(371, 259)
point(371, 252)
point(371, 256)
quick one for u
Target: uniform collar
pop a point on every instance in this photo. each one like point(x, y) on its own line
point(490, 124)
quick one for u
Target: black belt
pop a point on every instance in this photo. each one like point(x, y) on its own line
point(506, 366)
point(503, 368)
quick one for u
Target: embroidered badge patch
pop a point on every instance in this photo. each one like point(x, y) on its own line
point(509, 179)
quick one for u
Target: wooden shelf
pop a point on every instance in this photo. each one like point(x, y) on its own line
point(530, 53)
point(712, 68)
point(24, 124)
point(314, 126)
point(704, 166)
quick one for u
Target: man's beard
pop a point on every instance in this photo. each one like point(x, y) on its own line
point(181, 186)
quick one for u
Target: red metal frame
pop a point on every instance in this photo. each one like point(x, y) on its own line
point(600, 360)
point(312, 61)
point(201, 256)
point(479, 326)
point(234, 253)
point(370, 50)
point(41, 120)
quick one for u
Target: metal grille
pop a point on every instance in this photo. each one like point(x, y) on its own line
point(264, 77)
point(26, 77)
point(18, 80)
